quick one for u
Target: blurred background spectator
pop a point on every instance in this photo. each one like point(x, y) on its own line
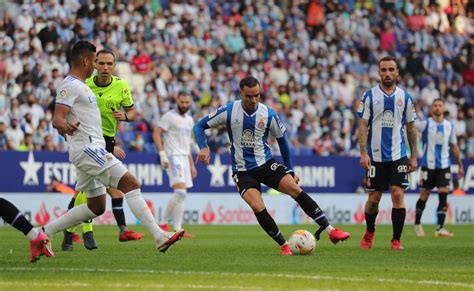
point(313, 58)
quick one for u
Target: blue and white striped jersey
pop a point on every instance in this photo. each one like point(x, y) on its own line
point(248, 134)
point(436, 138)
point(387, 116)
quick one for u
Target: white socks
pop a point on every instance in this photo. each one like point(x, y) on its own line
point(329, 228)
point(140, 209)
point(71, 218)
point(175, 208)
point(32, 234)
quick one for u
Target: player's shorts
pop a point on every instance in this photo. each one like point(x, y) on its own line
point(269, 174)
point(434, 178)
point(381, 175)
point(109, 143)
point(179, 170)
point(97, 169)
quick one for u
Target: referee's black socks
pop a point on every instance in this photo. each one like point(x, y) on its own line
point(312, 209)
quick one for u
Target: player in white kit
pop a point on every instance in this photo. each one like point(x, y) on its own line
point(77, 117)
point(173, 140)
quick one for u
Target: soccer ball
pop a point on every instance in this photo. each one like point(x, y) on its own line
point(302, 242)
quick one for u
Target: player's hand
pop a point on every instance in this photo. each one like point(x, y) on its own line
point(193, 171)
point(71, 128)
point(412, 165)
point(460, 172)
point(204, 156)
point(365, 161)
point(118, 115)
point(119, 152)
point(165, 163)
point(297, 179)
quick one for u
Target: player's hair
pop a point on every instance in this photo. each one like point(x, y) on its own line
point(389, 58)
point(81, 49)
point(183, 93)
point(105, 51)
point(249, 81)
point(438, 99)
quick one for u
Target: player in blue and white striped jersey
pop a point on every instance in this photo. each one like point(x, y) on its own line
point(249, 124)
point(384, 112)
point(438, 136)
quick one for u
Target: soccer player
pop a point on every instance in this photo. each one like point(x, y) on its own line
point(175, 156)
point(248, 123)
point(438, 136)
point(112, 93)
point(39, 242)
point(77, 117)
point(384, 111)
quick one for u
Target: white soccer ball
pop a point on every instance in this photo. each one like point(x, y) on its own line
point(302, 242)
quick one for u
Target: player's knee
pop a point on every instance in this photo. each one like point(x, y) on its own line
point(97, 209)
point(128, 183)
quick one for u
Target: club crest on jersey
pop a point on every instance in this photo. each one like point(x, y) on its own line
point(247, 139)
point(387, 119)
point(261, 124)
point(63, 93)
point(400, 102)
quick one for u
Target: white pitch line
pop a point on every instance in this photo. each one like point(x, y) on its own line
point(269, 275)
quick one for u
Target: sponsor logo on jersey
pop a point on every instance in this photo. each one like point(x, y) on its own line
point(247, 139)
point(387, 119)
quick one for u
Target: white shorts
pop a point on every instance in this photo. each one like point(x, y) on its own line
point(97, 169)
point(179, 170)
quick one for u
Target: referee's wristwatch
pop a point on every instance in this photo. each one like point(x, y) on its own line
point(126, 117)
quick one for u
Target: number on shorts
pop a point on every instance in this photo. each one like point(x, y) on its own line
point(371, 172)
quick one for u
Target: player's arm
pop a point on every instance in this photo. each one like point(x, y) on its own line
point(412, 141)
point(457, 157)
point(410, 117)
point(159, 146)
point(216, 118)
point(363, 111)
point(127, 104)
point(64, 101)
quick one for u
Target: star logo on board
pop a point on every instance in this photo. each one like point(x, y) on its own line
point(31, 170)
point(217, 172)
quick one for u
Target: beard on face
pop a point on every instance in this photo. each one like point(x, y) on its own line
point(183, 110)
point(388, 83)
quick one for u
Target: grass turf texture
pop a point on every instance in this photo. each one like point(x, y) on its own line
point(244, 258)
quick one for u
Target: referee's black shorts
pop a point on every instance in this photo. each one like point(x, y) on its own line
point(109, 143)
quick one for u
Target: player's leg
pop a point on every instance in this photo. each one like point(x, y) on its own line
point(427, 183)
point(68, 239)
point(39, 242)
point(398, 215)
point(420, 207)
point(253, 197)
point(117, 208)
point(442, 208)
point(123, 180)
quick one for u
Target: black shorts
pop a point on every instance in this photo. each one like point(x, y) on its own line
point(269, 174)
point(430, 179)
point(381, 175)
point(109, 143)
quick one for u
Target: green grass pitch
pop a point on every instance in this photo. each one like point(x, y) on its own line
point(244, 258)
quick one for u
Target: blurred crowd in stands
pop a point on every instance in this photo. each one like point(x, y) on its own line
point(314, 59)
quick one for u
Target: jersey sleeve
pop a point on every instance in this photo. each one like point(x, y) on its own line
point(66, 94)
point(410, 113)
point(363, 110)
point(165, 122)
point(453, 139)
point(127, 100)
point(277, 128)
point(421, 125)
point(216, 118)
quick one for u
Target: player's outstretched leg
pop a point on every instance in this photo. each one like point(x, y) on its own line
point(70, 235)
point(128, 184)
point(39, 242)
point(312, 209)
point(441, 214)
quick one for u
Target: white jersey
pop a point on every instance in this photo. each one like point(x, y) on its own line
point(176, 133)
point(387, 116)
point(75, 94)
point(436, 138)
